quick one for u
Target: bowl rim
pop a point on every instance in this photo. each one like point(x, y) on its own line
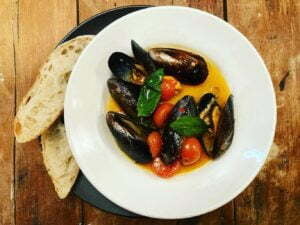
point(269, 142)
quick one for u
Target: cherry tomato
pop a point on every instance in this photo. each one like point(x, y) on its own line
point(154, 142)
point(163, 170)
point(161, 114)
point(191, 151)
point(169, 88)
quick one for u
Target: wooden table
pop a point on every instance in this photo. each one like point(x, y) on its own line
point(30, 29)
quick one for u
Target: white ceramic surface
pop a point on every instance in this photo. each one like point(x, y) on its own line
point(204, 189)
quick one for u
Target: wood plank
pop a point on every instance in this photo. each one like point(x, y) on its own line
point(7, 107)
point(273, 27)
point(88, 8)
point(212, 6)
point(41, 25)
point(224, 215)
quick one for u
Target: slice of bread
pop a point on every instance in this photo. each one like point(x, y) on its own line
point(58, 159)
point(44, 102)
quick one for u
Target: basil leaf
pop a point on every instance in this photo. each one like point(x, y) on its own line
point(189, 126)
point(150, 94)
point(155, 79)
point(147, 102)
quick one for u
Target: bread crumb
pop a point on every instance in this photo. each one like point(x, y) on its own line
point(78, 50)
point(63, 52)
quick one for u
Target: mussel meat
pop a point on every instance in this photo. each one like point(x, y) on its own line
point(225, 129)
point(184, 107)
point(187, 67)
point(125, 68)
point(209, 111)
point(125, 94)
point(129, 136)
point(142, 57)
point(171, 147)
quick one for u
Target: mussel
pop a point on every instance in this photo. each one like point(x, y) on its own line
point(142, 57)
point(125, 68)
point(171, 147)
point(225, 129)
point(129, 136)
point(220, 124)
point(187, 67)
point(171, 139)
point(125, 94)
point(184, 107)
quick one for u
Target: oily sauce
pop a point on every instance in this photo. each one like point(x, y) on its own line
point(215, 83)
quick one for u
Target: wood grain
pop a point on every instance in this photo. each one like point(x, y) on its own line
point(273, 27)
point(41, 24)
point(215, 7)
point(93, 216)
point(88, 8)
point(7, 107)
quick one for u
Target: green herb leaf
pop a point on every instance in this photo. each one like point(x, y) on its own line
point(147, 102)
point(189, 126)
point(150, 94)
point(155, 79)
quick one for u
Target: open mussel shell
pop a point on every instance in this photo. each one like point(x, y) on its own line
point(171, 147)
point(125, 94)
point(219, 136)
point(125, 68)
point(209, 111)
point(225, 130)
point(142, 57)
point(184, 107)
point(187, 67)
point(129, 136)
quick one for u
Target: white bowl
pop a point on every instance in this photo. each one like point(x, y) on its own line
point(206, 188)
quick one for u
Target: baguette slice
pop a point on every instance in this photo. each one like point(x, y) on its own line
point(58, 159)
point(44, 102)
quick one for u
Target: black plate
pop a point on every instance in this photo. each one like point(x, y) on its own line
point(83, 188)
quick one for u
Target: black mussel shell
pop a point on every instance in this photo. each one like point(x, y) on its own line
point(184, 107)
point(187, 67)
point(225, 130)
point(142, 57)
point(171, 146)
point(129, 136)
point(125, 94)
point(125, 68)
point(171, 139)
point(205, 101)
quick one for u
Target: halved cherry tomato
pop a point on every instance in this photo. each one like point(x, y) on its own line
point(191, 151)
point(161, 114)
point(154, 142)
point(163, 170)
point(169, 87)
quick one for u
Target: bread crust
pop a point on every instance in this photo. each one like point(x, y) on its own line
point(44, 102)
